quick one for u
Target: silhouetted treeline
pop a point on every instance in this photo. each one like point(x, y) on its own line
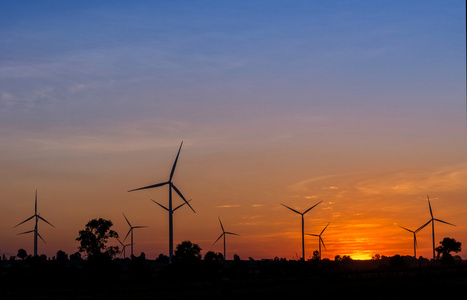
point(210, 277)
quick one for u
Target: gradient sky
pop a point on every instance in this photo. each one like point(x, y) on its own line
point(359, 104)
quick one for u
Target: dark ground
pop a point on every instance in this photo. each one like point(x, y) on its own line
point(404, 278)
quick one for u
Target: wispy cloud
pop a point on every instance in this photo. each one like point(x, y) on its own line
point(444, 179)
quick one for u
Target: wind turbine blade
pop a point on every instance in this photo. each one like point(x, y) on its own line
point(415, 240)
point(26, 232)
point(180, 205)
point(312, 234)
point(24, 221)
point(218, 238)
point(322, 242)
point(140, 226)
point(325, 228)
point(231, 233)
point(162, 205)
point(175, 163)
point(126, 220)
point(423, 226)
point(291, 209)
point(312, 207)
point(149, 186)
point(221, 224)
point(41, 237)
point(406, 229)
point(444, 222)
point(45, 221)
point(127, 234)
point(181, 196)
point(121, 243)
point(429, 205)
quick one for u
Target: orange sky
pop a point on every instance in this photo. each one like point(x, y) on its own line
point(365, 206)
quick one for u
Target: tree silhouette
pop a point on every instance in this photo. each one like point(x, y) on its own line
point(22, 254)
point(213, 256)
point(94, 237)
point(162, 258)
point(61, 256)
point(76, 256)
point(447, 246)
point(315, 255)
point(187, 251)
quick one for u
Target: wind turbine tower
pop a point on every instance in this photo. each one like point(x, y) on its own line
point(320, 240)
point(223, 234)
point(35, 230)
point(432, 220)
point(132, 228)
point(170, 209)
point(303, 225)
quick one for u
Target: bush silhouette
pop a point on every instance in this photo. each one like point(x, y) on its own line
point(213, 256)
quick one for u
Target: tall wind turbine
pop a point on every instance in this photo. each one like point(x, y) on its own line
point(303, 225)
point(123, 247)
point(36, 232)
point(170, 209)
point(223, 234)
point(433, 225)
point(320, 239)
point(132, 228)
point(415, 237)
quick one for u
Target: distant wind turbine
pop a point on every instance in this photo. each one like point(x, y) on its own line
point(415, 237)
point(131, 231)
point(123, 247)
point(170, 210)
point(432, 220)
point(320, 239)
point(223, 234)
point(303, 225)
point(36, 232)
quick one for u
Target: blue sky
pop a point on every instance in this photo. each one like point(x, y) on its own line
point(140, 57)
point(255, 88)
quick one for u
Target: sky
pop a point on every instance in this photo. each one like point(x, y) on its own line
point(358, 104)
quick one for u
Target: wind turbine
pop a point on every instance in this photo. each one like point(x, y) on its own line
point(131, 231)
point(170, 209)
point(123, 247)
point(223, 234)
point(303, 225)
point(320, 239)
point(415, 237)
point(433, 225)
point(36, 232)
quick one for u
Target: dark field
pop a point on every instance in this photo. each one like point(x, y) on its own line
point(145, 279)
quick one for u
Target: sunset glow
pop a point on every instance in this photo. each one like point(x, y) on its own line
point(360, 105)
